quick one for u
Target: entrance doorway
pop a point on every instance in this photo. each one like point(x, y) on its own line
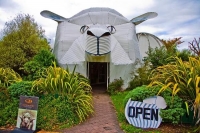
point(98, 74)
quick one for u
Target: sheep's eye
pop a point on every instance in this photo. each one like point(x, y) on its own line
point(84, 28)
point(111, 29)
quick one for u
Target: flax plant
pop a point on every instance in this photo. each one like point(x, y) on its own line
point(182, 79)
point(74, 87)
point(8, 76)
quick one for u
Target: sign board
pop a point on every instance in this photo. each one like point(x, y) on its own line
point(158, 100)
point(27, 113)
point(142, 115)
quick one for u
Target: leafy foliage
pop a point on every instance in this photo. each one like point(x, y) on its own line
point(55, 113)
point(171, 44)
point(45, 58)
point(184, 54)
point(33, 70)
point(56, 80)
point(8, 76)
point(20, 88)
point(128, 128)
point(182, 79)
point(158, 56)
point(8, 111)
point(115, 86)
point(141, 75)
point(139, 94)
point(162, 56)
point(40, 61)
point(174, 109)
point(22, 39)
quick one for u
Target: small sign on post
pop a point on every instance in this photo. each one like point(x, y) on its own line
point(27, 113)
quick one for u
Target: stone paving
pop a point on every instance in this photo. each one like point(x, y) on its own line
point(104, 119)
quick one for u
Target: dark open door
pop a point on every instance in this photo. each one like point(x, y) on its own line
point(98, 73)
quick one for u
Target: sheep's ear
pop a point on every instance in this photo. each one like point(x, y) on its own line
point(143, 17)
point(53, 16)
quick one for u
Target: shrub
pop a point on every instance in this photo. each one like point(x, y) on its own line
point(174, 109)
point(8, 76)
point(8, 108)
point(9, 101)
point(33, 70)
point(21, 88)
point(36, 66)
point(55, 113)
point(45, 58)
point(184, 54)
point(115, 86)
point(141, 75)
point(182, 79)
point(158, 56)
point(139, 94)
point(59, 81)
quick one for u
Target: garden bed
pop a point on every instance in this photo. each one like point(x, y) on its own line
point(126, 127)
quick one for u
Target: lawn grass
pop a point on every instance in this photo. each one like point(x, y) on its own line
point(117, 100)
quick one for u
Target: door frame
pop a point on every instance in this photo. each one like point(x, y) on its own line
point(107, 71)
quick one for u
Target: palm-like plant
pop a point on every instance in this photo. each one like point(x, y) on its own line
point(74, 87)
point(181, 78)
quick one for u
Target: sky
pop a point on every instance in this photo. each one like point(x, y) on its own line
point(176, 18)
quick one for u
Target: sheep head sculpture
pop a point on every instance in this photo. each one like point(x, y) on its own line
point(96, 32)
point(98, 35)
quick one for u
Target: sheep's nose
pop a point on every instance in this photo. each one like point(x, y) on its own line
point(98, 41)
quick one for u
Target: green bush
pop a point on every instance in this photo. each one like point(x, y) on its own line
point(174, 109)
point(33, 70)
point(181, 78)
point(8, 111)
point(184, 54)
point(59, 81)
point(55, 113)
point(159, 56)
point(21, 88)
point(45, 58)
point(139, 94)
point(36, 66)
point(9, 101)
point(8, 76)
point(141, 75)
point(115, 86)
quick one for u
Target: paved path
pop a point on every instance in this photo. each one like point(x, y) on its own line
point(104, 119)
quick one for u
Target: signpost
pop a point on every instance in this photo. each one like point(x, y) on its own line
point(27, 114)
point(142, 115)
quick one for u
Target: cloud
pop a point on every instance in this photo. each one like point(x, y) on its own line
point(8, 5)
point(175, 18)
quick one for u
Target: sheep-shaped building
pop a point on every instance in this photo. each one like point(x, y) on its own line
point(100, 42)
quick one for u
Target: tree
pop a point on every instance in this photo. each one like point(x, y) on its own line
point(195, 46)
point(22, 39)
point(171, 44)
point(162, 56)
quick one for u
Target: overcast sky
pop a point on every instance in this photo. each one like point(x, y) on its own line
point(176, 18)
